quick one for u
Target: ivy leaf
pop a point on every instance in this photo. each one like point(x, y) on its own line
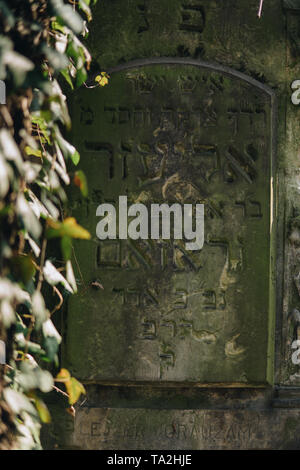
point(50, 330)
point(81, 76)
point(6, 175)
point(70, 17)
point(102, 79)
point(31, 377)
point(75, 157)
point(39, 309)
point(66, 74)
point(18, 402)
point(63, 375)
point(70, 276)
point(51, 346)
point(40, 121)
point(66, 247)
point(7, 313)
point(34, 152)
point(33, 348)
point(81, 181)
point(69, 227)
point(29, 219)
point(9, 149)
point(56, 59)
point(83, 5)
point(53, 277)
point(22, 268)
point(73, 387)
point(42, 409)
point(68, 150)
point(52, 339)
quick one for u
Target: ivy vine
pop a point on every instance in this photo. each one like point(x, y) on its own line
point(40, 40)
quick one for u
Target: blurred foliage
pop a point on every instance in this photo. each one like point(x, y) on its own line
point(40, 40)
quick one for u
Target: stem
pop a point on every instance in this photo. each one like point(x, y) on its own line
point(260, 8)
point(43, 255)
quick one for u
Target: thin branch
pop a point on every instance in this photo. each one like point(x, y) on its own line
point(43, 255)
point(78, 267)
point(260, 8)
point(60, 391)
point(61, 300)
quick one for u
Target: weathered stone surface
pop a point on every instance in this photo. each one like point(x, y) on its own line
point(123, 337)
point(118, 429)
point(186, 132)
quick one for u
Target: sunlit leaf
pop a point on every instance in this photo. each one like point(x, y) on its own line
point(63, 375)
point(69, 227)
point(53, 277)
point(102, 79)
point(34, 152)
point(73, 387)
point(74, 390)
point(42, 410)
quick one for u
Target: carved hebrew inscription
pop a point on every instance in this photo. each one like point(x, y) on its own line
point(174, 134)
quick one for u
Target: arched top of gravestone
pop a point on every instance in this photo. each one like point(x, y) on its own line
point(184, 61)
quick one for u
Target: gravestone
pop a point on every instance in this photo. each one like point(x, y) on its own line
point(182, 349)
point(181, 132)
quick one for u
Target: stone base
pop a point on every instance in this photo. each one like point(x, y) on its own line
point(127, 429)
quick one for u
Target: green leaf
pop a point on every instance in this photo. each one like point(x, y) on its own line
point(84, 6)
point(22, 268)
point(57, 26)
point(81, 76)
point(51, 346)
point(33, 348)
point(34, 152)
point(66, 74)
point(41, 121)
point(66, 247)
point(75, 157)
point(67, 149)
point(68, 16)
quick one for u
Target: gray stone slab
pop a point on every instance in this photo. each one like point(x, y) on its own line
point(116, 429)
point(175, 131)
